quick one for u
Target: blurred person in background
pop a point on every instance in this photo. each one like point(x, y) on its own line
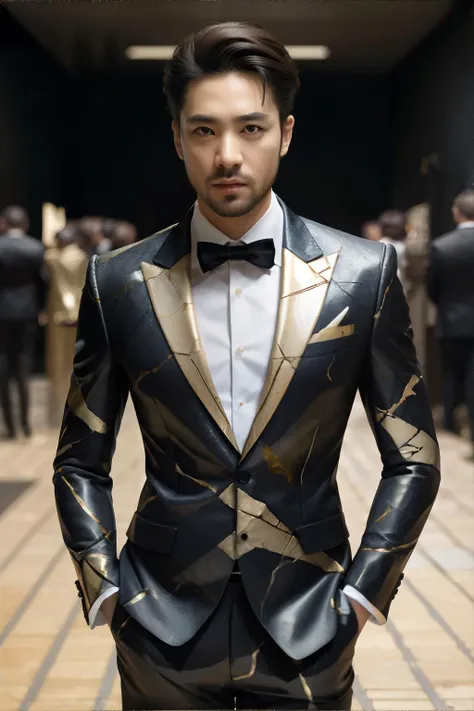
point(91, 235)
point(393, 228)
point(22, 298)
point(371, 230)
point(67, 266)
point(237, 587)
point(123, 234)
point(450, 284)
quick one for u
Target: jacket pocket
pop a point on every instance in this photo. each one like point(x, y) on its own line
point(153, 536)
point(322, 535)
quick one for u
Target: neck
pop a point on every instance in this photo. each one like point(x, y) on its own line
point(235, 227)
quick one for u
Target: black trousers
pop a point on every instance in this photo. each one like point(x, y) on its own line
point(17, 344)
point(232, 663)
point(458, 378)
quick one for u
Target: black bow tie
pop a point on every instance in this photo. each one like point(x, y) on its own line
point(261, 254)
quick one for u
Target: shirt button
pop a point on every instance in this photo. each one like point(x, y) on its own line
point(241, 404)
point(238, 292)
point(239, 350)
point(243, 477)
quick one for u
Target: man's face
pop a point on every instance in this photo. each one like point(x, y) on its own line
point(230, 142)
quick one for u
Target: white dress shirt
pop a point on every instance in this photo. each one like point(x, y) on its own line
point(469, 224)
point(236, 308)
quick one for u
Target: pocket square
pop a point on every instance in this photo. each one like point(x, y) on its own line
point(333, 330)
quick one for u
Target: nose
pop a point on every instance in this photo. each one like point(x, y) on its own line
point(228, 153)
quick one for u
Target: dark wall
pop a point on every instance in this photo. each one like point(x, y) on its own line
point(32, 87)
point(337, 171)
point(433, 95)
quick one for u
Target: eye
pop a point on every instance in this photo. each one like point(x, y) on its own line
point(252, 129)
point(203, 131)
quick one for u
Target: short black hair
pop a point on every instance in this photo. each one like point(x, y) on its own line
point(393, 224)
point(16, 217)
point(232, 47)
point(465, 204)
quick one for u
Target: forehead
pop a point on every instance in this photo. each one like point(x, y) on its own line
point(226, 96)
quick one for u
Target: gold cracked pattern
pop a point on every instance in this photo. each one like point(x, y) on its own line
point(394, 549)
point(141, 595)
point(407, 392)
point(78, 406)
point(253, 666)
point(275, 465)
point(377, 315)
point(414, 444)
point(388, 510)
point(85, 508)
point(306, 688)
point(171, 296)
point(201, 482)
point(153, 371)
point(263, 530)
point(303, 293)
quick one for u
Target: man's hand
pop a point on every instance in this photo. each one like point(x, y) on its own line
point(362, 613)
point(108, 607)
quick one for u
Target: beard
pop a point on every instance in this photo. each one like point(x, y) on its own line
point(236, 205)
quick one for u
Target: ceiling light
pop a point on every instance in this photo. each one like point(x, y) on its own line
point(297, 51)
point(163, 51)
point(308, 51)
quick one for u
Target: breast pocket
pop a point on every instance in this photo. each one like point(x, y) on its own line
point(332, 340)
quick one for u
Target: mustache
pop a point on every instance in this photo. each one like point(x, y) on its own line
point(227, 174)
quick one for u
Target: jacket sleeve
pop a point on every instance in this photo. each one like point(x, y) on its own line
point(399, 413)
point(82, 482)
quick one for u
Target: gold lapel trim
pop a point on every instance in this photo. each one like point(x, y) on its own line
point(303, 292)
point(171, 296)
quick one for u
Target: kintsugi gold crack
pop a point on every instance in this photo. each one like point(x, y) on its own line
point(78, 406)
point(253, 666)
point(407, 392)
point(275, 465)
point(377, 315)
point(85, 508)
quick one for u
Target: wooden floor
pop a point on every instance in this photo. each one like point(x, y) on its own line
point(50, 661)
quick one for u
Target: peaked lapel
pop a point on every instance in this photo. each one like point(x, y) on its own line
point(169, 285)
point(306, 275)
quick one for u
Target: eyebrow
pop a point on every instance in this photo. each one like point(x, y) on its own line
point(204, 118)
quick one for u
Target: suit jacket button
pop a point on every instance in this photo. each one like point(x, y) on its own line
point(244, 536)
point(243, 477)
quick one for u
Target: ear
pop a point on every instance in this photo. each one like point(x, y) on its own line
point(286, 135)
point(177, 139)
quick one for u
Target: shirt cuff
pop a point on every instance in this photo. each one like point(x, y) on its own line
point(96, 618)
point(375, 615)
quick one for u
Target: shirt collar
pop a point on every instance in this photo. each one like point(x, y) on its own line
point(466, 225)
point(269, 226)
point(15, 232)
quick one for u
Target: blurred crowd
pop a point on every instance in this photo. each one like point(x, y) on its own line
point(444, 269)
point(41, 286)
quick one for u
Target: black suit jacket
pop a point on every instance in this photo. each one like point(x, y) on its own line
point(22, 278)
point(343, 324)
point(451, 283)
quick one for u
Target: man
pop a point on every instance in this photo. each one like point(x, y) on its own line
point(393, 228)
point(451, 287)
point(242, 334)
point(124, 234)
point(67, 267)
point(371, 230)
point(22, 297)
